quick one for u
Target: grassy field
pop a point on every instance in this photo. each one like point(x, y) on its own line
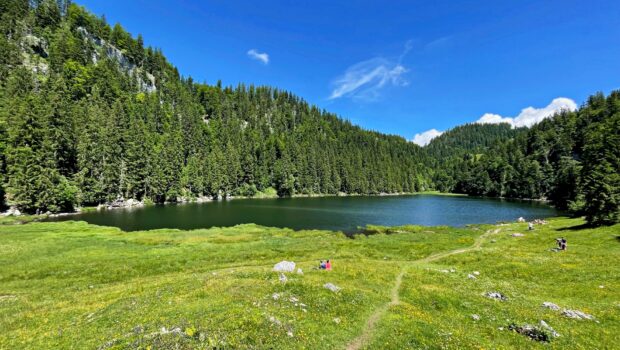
point(74, 285)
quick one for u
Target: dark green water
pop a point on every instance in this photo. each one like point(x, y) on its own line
point(332, 213)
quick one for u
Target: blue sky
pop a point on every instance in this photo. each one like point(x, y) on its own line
point(400, 67)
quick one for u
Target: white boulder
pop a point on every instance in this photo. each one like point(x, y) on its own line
point(334, 288)
point(284, 266)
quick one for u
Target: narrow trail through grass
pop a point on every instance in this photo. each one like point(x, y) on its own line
point(376, 316)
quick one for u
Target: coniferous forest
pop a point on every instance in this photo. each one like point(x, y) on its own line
point(572, 159)
point(88, 115)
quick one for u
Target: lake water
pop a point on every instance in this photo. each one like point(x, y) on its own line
point(332, 213)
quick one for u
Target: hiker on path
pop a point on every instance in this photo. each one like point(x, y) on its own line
point(530, 226)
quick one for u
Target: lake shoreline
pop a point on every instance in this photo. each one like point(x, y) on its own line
point(350, 214)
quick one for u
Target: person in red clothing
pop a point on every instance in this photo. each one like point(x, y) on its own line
point(328, 265)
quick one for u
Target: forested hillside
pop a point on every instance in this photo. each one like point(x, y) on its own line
point(89, 115)
point(446, 151)
point(572, 159)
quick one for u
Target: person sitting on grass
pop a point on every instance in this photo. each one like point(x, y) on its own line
point(328, 266)
point(322, 265)
point(563, 243)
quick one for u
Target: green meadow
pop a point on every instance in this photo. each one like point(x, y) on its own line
point(75, 285)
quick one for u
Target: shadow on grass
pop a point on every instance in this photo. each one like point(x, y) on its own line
point(577, 227)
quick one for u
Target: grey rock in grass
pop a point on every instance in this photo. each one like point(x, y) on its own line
point(544, 325)
point(550, 305)
point(332, 287)
point(283, 278)
point(275, 321)
point(517, 234)
point(300, 272)
point(471, 277)
point(531, 332)
point(475, 317)
point(496, 295)
point(175, 330)
point(284, 266)
point(576, 314)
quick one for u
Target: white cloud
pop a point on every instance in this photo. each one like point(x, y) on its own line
point(259, 56)
point(530, 115)
point(364, 80)
point(490, 118)
point(425, 138)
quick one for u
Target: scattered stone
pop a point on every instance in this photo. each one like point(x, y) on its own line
point(275, 296)
point(601, 286)
point(13, 211)
point(551, 306)
point(471, 277)
point(337, 320)
point(452, 270)
point(444, 271)
point(576, 314)
point(496, 295)
point(275, 321)
point(544, 325)
point(476, 273)
point(284, 266)
point(120, 202)
point(517, 234)
point(283, 278)
point(332, 287)
point(531, 332)
point(176, 330)
point(300, 272)
point(7, 297)
point(475, 317)
point(493, 240)
point(289, 333)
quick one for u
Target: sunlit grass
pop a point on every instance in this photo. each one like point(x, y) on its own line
point(71, 284)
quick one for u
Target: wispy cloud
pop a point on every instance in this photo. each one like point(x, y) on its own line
point(426, 137)
point(529, 116)
point(259, 56)
point(364, 80)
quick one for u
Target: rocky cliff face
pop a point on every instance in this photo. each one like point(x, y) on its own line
point(36, 50)
point(112, 52)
